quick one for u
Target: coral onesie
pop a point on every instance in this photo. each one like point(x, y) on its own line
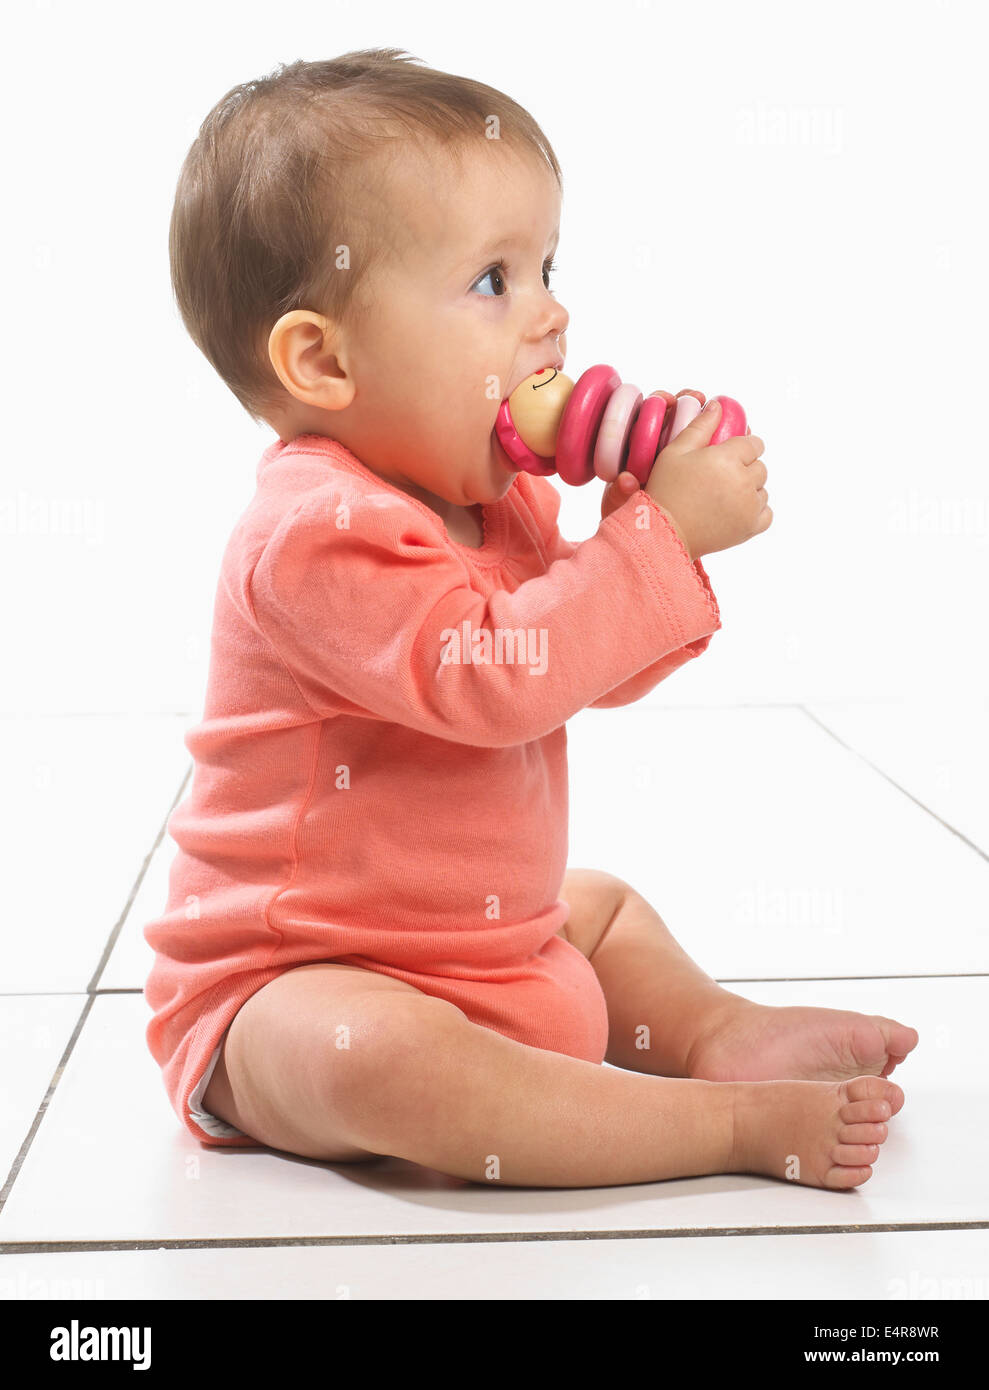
point(380, 774)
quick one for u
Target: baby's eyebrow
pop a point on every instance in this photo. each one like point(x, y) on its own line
point(495, 248)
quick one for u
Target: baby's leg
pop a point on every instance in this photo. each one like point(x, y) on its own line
point(420, 1081)
point(691, 1026)
point(297, 1049)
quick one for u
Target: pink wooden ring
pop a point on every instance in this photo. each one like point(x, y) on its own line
point(687, 409)
point(664, 437)
point(616, 426)
point(643, 445)
point(732, 420)
point(581, 417)
point(519, 453)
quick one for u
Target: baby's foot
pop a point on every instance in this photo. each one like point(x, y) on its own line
point(757, 1042)
point(816, 1133)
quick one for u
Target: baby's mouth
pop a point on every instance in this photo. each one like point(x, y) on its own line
point(546, 372)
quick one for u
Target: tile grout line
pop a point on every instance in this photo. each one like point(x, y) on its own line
point(964, 838)
point(472, 1238)
point(91, 995)
point(22, 1152)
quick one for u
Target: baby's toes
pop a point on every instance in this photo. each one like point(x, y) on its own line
point(842, 1176)
point(850, 1136)
point(873, 1088)
point(857, 1112)
point(854, 1155)
point(894, 1095)
point(900, 1040)
point(861, 1045)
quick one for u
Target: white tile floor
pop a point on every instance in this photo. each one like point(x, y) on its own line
point(836, 855)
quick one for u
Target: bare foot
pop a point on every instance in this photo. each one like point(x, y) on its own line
point(757, 1042)
point(816, 1133)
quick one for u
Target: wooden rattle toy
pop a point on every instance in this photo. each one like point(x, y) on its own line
point(597, 427)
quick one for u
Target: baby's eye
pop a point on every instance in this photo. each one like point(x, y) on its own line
point(495, 270)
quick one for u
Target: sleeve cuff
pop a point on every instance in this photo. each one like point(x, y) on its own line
point(681, 584)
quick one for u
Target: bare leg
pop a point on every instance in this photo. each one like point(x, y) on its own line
point(419, 1081)
point(667, 1017)
point(478, 1105)
point(332, 1061)
point(659, 1000)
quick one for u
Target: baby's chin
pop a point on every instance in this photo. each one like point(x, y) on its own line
point(487, 480)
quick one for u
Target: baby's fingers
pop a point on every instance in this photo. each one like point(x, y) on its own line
point(616, 492)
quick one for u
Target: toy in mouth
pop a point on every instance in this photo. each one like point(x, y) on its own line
point(598, 426)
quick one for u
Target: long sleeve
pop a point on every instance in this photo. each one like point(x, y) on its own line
point(558, 548)
point(377, 618)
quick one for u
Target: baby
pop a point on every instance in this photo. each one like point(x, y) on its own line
point(372, 943)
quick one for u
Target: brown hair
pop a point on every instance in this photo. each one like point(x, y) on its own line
point(278, 178)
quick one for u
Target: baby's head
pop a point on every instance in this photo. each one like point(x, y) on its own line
point(361, 248)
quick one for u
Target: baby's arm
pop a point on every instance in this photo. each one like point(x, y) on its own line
point(366, 618)
point(650, 676)
point(547, 498)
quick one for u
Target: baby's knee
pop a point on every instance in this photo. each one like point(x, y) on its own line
point(319, 1049)
point(396, 1040)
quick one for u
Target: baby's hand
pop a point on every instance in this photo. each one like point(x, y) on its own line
point(625, 484)
point(712, 493)
point(616, 493)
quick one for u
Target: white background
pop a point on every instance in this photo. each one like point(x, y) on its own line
point(782, 202)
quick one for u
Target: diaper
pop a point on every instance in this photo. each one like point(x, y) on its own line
point(210, 1124)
